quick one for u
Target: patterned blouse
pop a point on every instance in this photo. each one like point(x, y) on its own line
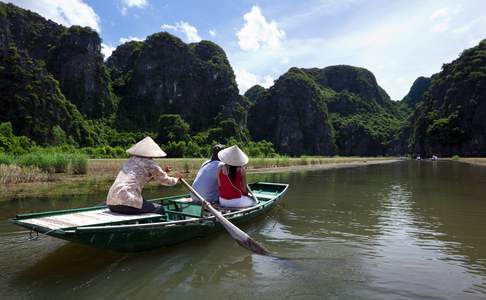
point(135, 173)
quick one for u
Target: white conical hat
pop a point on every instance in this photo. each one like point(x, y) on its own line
point(233, 156)
point(146, 148)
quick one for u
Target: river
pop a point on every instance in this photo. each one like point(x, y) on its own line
point(407, 230)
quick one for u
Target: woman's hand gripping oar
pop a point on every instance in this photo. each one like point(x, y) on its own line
point(237, 234)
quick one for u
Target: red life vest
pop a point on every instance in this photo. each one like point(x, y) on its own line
point(229, 189)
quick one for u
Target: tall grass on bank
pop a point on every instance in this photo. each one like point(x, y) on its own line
point(50, 162)
point(79, 164)
point(14, 174)
point(5, 159)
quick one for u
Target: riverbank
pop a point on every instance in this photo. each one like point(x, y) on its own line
point(478, 161)
point(101, 173)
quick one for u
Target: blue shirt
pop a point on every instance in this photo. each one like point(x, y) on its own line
point(206, 182)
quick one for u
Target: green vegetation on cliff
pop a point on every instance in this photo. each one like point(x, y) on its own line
point(57, 91)
point(417, 91)
point(361, 118)
point(451, 119)
point(293, 115)
point(32, 101)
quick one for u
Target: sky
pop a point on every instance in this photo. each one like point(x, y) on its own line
point(397, 40)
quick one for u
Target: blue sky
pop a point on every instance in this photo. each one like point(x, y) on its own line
point(396, 40)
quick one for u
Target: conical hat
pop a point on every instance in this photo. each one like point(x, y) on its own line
point(233, 156)
point(146, 148)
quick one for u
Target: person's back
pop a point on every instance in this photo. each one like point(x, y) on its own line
point(125, 194)
point(206, 182)
point(231, 188)
point(232, 179)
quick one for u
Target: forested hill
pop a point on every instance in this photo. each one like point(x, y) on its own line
point(452, 116)
point(334, 110)
point(56, 89)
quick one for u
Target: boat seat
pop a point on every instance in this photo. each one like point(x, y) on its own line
point(85, 218)
point(229, 209)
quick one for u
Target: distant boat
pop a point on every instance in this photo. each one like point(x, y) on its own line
point(418, 158)
point(434, 157)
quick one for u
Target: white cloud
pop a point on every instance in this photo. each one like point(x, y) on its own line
point(441, 19)
point(187, 29)
point(66, 12)
point(126, 4)
point(130, 38)
point(440, 13)
point(398, 46)
point(258, 33)
point(106, 50)
point(212, 33)
point(267, 81)
point(246, 80)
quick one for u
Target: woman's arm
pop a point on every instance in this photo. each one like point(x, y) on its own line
point(161, 176)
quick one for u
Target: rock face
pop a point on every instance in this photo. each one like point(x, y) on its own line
point(293, 116)
point(254, 93)
point(72, 55)
point(28, 31)
point(451, 119)
point(77, 63)
point(416, 93)
point(365, 119)
point(350, 112)
point(163, 75)
point(32, 102)
point(358, 81)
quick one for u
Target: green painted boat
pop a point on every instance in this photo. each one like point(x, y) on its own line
point(98, 226)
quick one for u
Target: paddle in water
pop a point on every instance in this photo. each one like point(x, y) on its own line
point(237, 234)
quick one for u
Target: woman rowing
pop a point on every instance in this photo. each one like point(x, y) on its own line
point(125, 195)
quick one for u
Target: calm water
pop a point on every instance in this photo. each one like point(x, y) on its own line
point(410, 230)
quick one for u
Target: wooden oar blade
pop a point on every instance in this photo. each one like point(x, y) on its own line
point(253, 246)
point(238, 235)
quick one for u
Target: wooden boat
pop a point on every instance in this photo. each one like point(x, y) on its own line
point(99, 227)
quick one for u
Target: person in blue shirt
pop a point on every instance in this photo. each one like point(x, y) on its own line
point(206, 182)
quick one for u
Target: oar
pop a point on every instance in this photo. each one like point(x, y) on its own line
point(237, 234)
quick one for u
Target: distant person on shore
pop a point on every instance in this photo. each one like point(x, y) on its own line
point(232, 179)
point(206, 182)
point(125, 195)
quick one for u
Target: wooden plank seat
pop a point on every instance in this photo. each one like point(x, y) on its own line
point(85, 218)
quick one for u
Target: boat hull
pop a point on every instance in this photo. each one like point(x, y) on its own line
point(133, 237)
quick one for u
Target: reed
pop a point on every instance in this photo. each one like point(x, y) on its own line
point(60, 162)
point(10, 174)
point(54, 162)
point(5, 159)
point(79, 163)
point(43, 161)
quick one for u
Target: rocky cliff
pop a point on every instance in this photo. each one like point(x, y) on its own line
point(32, 101)
point(349, 111)
point(72, 55)
point(293, 116)
point(417, 91)
point(163, 75)
point(77, 63)
point(451, 119)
